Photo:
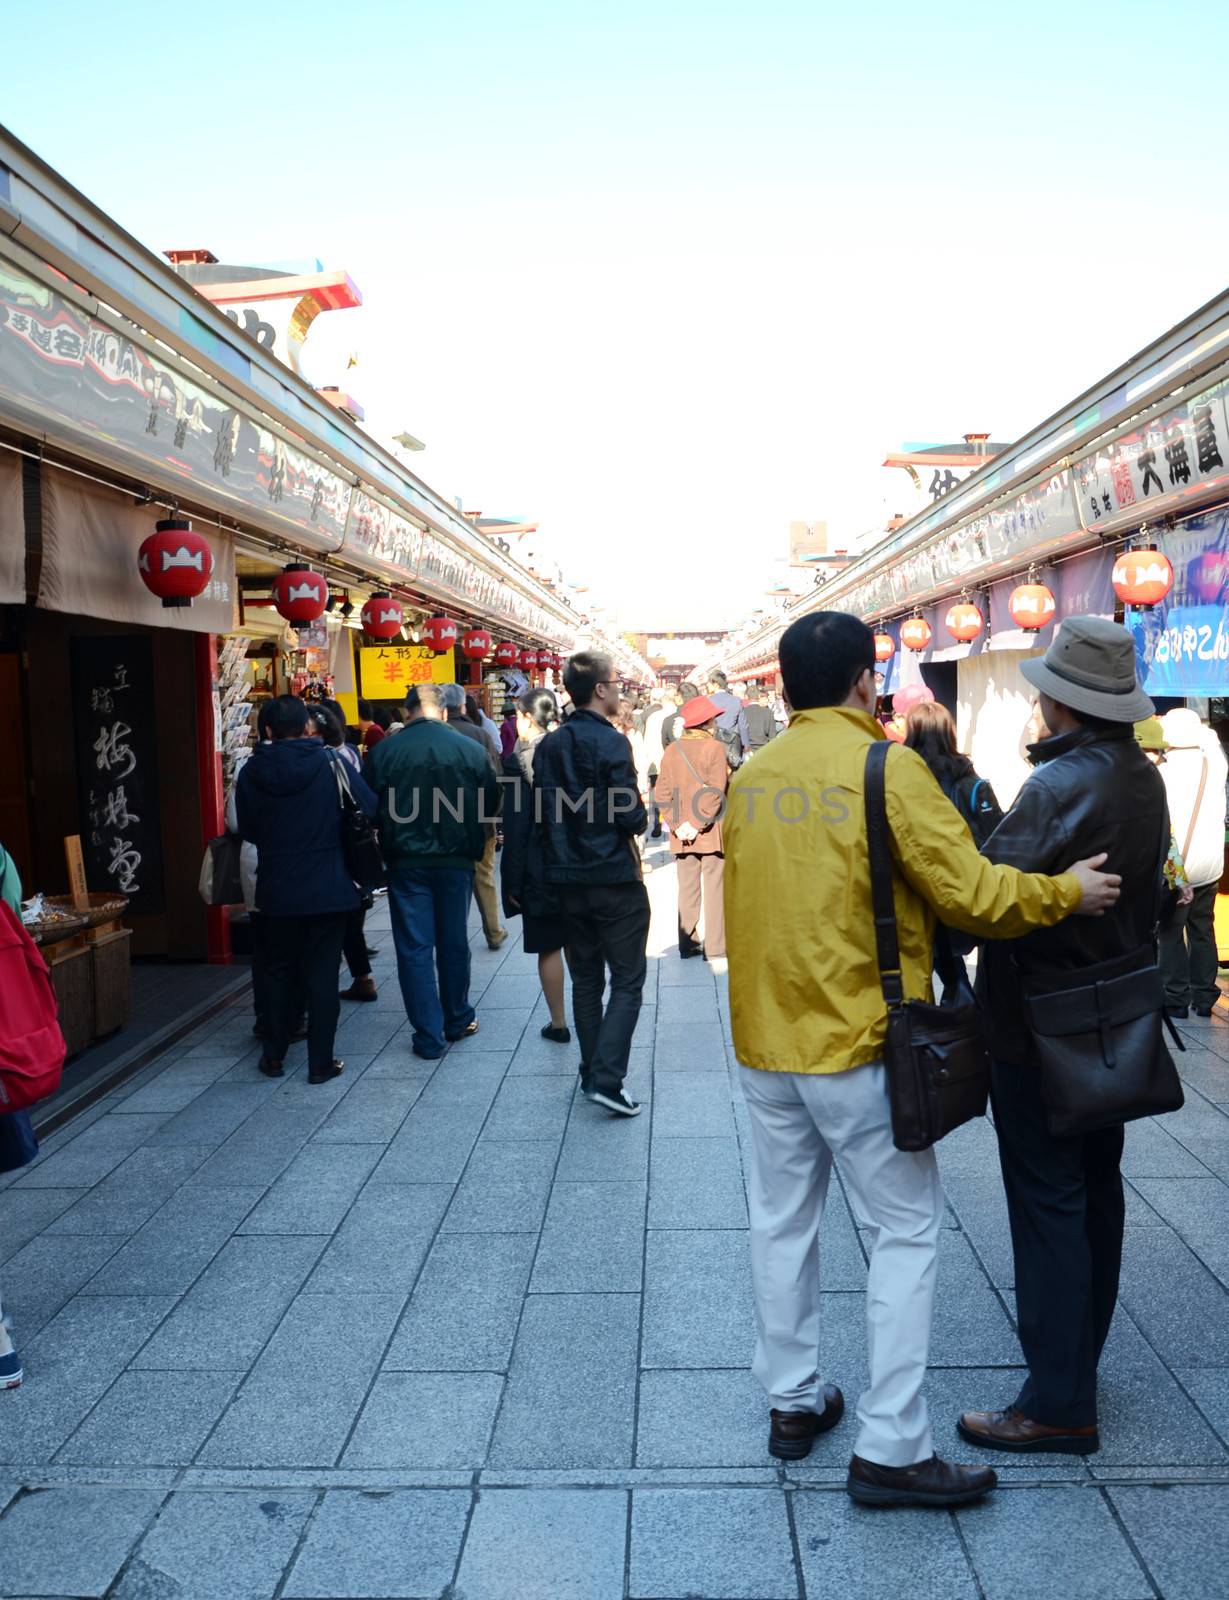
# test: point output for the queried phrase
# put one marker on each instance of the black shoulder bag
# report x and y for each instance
(937, 1062)
(360, 843)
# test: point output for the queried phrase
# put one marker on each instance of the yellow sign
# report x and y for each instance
(386, 671)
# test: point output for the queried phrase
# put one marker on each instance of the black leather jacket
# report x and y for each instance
(1093, 790)
(522, 872)
(590, 802)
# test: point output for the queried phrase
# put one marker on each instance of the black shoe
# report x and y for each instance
(1201, 1011)
(1178, 1013)
(372, 950)
(556, 1035)
(272, 1069)
(615, 1101)
(686, 955)
(928, 1483)
(792, 1433)
(326, 1074)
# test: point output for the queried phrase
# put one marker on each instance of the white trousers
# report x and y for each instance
(800, 1124)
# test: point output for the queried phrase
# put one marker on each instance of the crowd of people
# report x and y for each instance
(1101, 873)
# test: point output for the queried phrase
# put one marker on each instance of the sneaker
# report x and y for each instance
(10, 1371)
(326, 1074)
(556, 1035)
(616, 1101)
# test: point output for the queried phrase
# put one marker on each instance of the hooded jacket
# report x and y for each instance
(287, 804)
(1191, 744)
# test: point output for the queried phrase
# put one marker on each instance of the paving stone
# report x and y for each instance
(545, 1544)
(497, 1030)
(69, 1365)
(304, 1394)
(383, 1241)
(371, 1113)
(509, 994)
(162, 1093)
(530, 1108)
(1150, 1152)
(537, 1057)
(206, 1546)
(712, 1544)
(27, 1212)
(1209, 1388)
(176, 1244)
(426, 1419)
(1193, 1207)
(151, 1419)
(316, 1190)
(71, 1541)
(367, 1029)
(571, 1387)
(593, 1239)
(692, 1105)
(1012, 1540)
(44, 1276)
(604, 1147)
(696, 1183)
(433, 1145)
(247, 1164)
(859, 1557)
(464, 1312)
(191, 1067)
(139, 1186)
(505, 1189)
(970, 1325)
(473, 1081)
(399, 1544)
(1178, 1304)
(706, 1419)
(1144, 1415)
(227, 1316)
(87, 1157)
(1180, 1533)
(213, 1116)
(698, 1309)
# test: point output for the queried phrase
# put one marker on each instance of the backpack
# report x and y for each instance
(32, 1047)
(733, 746)
(975, 800)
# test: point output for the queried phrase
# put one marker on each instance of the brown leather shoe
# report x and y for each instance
(1012, 1430)
(926, 1483)
(792, 1433)
(271, 1069)
(360, 989)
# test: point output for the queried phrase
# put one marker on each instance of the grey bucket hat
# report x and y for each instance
(1090, 667)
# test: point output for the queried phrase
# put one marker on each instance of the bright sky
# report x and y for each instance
(666, 275)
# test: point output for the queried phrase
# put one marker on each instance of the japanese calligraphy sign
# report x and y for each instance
(386, 671)
(1182, 644)
(1171, 456)
(117, 767)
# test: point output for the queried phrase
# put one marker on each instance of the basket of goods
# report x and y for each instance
(103, 907)
(45, 923)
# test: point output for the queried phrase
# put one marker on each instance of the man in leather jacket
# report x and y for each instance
(591, 814)
(1093, 790)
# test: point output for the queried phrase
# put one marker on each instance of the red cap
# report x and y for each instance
(699, 711)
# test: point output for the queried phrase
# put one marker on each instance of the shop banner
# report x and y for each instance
(12, 532)
(91, 536)
(386, 671)
(1182, 645)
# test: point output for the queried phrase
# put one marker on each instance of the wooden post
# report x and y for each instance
(77, 885)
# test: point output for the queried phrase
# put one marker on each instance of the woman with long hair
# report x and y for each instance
(526, 893)
(930, 731)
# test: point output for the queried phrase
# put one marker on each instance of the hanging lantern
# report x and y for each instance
(175, 563)
(915, 633)
(1031, 606)
(506, 654)
(885, 647)
(300, 594)
(476, 644)
(382, 617)
(556, 661)
(964, 621)
(1142, 577)
(529, 659)
(439, 634)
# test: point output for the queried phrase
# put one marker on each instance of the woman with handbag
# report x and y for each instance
(691, 788)
(354, 944)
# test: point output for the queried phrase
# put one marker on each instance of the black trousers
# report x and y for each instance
(606, 925)
(302, 955)
(1188, 952)
(354, 944)
(1065, 1201)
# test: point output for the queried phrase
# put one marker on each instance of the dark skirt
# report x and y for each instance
(541, 935)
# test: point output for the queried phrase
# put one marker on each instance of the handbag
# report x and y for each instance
(360, 843)
(220, 883)
(937, 1063)
(18, 1140)
(1097, 1039)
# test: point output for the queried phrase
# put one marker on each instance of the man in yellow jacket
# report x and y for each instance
(809, 1024)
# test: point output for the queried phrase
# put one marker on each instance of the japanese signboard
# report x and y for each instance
(1182, 645)
(386, 671)
(117, 767)
(1182, 452)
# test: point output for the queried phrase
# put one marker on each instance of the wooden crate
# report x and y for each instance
(72, 977)
(111, 955)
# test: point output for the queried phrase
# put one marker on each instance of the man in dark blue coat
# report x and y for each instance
(288, 805)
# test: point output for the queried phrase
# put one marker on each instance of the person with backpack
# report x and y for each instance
(930, 731)
(731, 719)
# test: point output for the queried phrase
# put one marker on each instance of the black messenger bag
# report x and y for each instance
(937, 1062)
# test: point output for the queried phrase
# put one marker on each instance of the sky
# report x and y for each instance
(666, 276)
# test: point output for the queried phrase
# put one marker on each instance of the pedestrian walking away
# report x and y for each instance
(437, 794)
(809, 1027)
(731, 719)
(761, 724)
(1093, 790)
(1194, 773)
(287, 804)
(692, 783)
(485, 893)
(331, 730)
(592, 815)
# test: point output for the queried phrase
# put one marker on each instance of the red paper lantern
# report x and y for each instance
(506, 654)
(476, 644)
(175, 563)
(529, 659)
(556, 661)
(1031, 606)
(964, 621)
(382, 617)
(885, 647)
(915, 633)
(300, 594)
(1142, 577)
(440, 634)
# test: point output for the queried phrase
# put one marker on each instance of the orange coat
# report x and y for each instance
(697, 797)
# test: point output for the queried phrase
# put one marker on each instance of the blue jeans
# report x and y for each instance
(430, 906)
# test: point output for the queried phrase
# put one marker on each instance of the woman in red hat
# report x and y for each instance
(691, 788)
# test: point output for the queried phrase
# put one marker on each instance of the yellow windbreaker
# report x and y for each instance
(804, 981)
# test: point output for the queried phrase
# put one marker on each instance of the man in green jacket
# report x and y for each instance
(436, 791)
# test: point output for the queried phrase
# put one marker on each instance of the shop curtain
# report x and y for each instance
(12, 532)
(1182, 645)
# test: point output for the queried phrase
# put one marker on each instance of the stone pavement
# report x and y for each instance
(456, 1332)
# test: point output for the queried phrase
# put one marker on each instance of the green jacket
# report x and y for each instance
(436, 789)
(10, 883)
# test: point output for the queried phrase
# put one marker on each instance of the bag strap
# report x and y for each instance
(887, 947)
(345, 794)
(687, 763)
(1190, 832)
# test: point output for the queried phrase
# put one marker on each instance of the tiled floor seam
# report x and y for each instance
(114, 1586)
(954, 1522)
(795, 1550)
(1108, 1501)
